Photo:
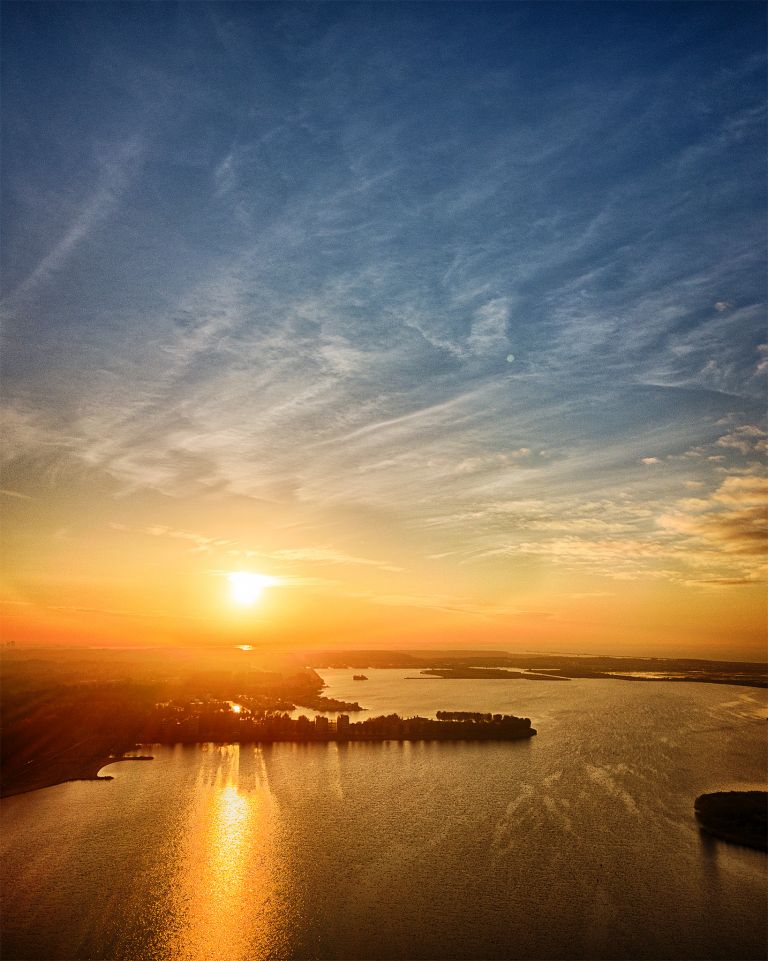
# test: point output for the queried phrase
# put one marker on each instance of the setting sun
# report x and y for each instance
(349, 345)
(246, 588)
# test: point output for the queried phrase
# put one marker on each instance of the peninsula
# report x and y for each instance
(68, 713)
(488, 673)
(242, 727)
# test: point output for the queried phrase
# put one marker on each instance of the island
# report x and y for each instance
(739, 817)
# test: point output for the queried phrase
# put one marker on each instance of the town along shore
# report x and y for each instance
(271, 727)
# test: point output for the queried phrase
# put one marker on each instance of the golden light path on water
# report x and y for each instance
(580, 843)
(224, 902)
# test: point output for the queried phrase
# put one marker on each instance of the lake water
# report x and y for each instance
(579, 843)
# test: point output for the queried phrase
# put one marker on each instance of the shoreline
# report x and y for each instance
(86, 769)
(502, 674)
(80, 769)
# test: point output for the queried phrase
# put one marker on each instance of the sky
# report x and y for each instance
(447, 318)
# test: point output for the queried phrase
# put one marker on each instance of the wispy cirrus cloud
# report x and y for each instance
(201, 543)
(492, 327)
(9, 493)
(114, 171)
(328, 555)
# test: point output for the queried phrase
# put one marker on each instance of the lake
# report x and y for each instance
(577, 843)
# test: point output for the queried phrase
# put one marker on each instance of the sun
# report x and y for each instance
(245, 587)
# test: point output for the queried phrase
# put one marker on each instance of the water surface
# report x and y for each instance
(579, 843)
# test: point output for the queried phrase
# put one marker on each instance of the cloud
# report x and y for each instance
(311, 302)
(747, 439)
(749, 490)
(734, 518)
(109, 612)
(451, 604)
(28, 432)
(224, 175)
(596, 525)
(473, 465)
(585, 594)
(689, 541)
(114, 172)
(10, 493)
(206, 544)
(739, 532)
(488, 333)
(199, 541)
(327, 555)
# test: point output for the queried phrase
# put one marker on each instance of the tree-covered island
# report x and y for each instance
(740, 817)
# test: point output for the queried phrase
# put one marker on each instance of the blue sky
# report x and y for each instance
(438, 283)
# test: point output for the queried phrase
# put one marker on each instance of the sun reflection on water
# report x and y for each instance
(225, 895)
(229, 833)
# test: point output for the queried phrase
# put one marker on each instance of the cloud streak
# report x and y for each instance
(114, 173)
(412, 293)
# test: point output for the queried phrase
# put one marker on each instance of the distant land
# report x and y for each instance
(493, 664)
(66, 712)
(488, 673)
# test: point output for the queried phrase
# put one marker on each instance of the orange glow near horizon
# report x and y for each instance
(108, 577)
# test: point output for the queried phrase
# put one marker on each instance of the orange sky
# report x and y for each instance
(104, 570)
